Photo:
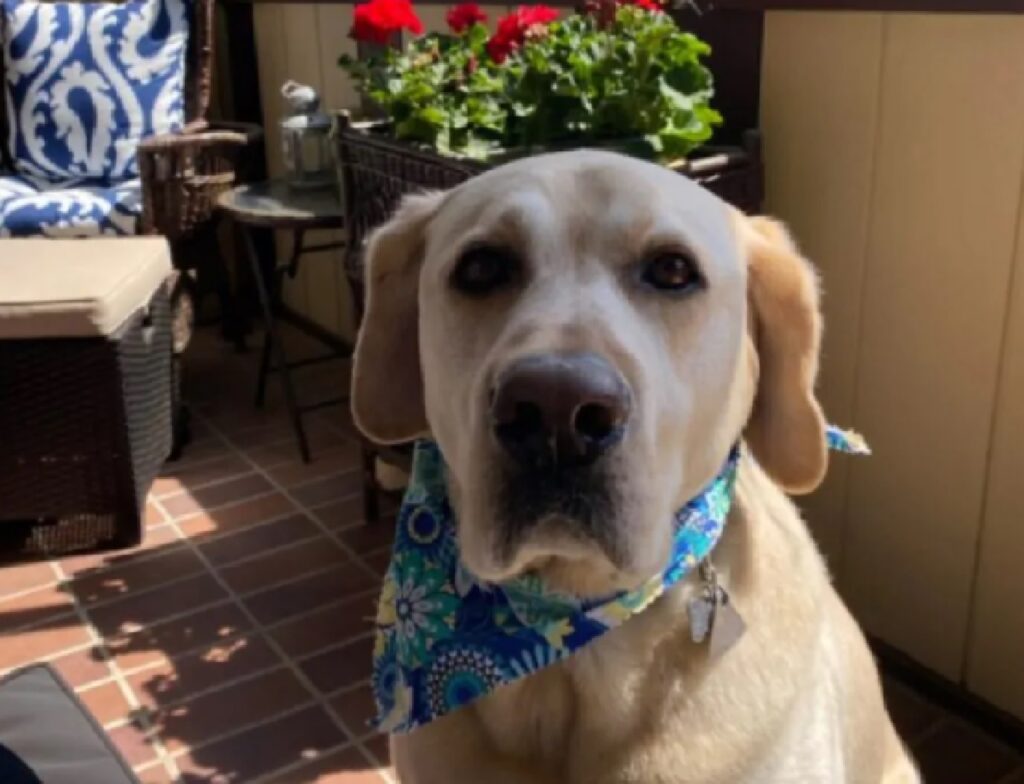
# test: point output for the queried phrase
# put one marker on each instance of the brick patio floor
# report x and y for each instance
(234, 644)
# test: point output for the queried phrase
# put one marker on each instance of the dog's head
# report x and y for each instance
(586, 335)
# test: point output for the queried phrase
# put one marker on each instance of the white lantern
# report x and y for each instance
(306, 139)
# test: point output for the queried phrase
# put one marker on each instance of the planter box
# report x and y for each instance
(376, 171)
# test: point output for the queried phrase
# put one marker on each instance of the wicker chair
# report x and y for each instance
(182, 175)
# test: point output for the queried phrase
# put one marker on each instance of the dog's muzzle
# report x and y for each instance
(559, 410)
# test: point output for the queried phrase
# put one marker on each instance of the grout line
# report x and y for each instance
(268, 587)
(205, 509)
(141, 715)
(176, 581)
(163, 620)
(50, 657)
(285, 439)
(287, 493)
(146, 767)
(58, 617)
(27, 592)
(352, 738)
(215, 536)
(243, 727)
(240, 473)
(298, 765)
(279, 549)
(218, 536)
(230, 683)
(226, 684)
(130, 671)
(288, 661)
(145, 556)
(369, 756)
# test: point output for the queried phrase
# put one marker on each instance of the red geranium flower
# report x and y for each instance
(647, 5)
(464, 16)
(378, 20)
(531, 15)
(513, 29)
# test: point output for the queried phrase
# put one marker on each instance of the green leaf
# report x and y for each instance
(476, 37)
(642, 78)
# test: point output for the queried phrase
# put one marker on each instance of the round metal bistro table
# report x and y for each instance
(276, 205)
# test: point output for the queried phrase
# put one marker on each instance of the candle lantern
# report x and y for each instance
(306, 139)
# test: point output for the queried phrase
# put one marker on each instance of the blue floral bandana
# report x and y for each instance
(445, 638)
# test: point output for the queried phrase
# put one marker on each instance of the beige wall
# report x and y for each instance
(303, 42)
(895, 149)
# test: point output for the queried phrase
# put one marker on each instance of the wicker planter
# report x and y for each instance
(85, 425)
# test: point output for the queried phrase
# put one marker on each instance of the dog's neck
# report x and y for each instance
(622, 677)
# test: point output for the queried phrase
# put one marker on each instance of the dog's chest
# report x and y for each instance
(600, 695)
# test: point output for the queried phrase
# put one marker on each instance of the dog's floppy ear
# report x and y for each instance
(786, 430)
(387, 383)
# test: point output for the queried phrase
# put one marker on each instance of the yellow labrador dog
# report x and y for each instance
(640, 320)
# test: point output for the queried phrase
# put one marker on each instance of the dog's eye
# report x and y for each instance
(671, 271)
(484, 269)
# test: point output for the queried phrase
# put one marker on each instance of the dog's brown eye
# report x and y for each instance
(671, 272)
(484, 269)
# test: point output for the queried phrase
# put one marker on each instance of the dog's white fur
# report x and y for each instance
(798, 698)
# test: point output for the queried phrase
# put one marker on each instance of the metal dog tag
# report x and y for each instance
(712, 612)
(700, 609)
(727, 626)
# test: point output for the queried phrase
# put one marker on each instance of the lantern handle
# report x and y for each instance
(301, 98)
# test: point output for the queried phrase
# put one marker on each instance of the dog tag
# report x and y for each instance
(701, 609)
(727, 625)
(712, 612)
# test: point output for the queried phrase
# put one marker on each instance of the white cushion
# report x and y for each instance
(77, 288)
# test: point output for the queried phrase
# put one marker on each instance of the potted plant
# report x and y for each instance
(614, 74)
(618, 74)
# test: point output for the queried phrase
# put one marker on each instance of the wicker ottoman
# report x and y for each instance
(85, 390)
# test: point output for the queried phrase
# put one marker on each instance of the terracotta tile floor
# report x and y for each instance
(233, 645)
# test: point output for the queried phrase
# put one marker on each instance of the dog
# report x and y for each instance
(627, 323)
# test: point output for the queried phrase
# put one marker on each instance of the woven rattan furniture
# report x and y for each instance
(182, 174)
(376, 171)
(85, 391)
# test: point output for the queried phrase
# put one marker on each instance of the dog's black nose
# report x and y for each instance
(559, 409)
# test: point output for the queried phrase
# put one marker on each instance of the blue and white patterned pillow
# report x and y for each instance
(85, 82)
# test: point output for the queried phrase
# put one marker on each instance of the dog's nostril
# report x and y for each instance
(595, 422)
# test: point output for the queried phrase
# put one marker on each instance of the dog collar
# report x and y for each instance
(445, 638)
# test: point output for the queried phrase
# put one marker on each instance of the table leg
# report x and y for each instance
(261, 379)
(273, 346)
